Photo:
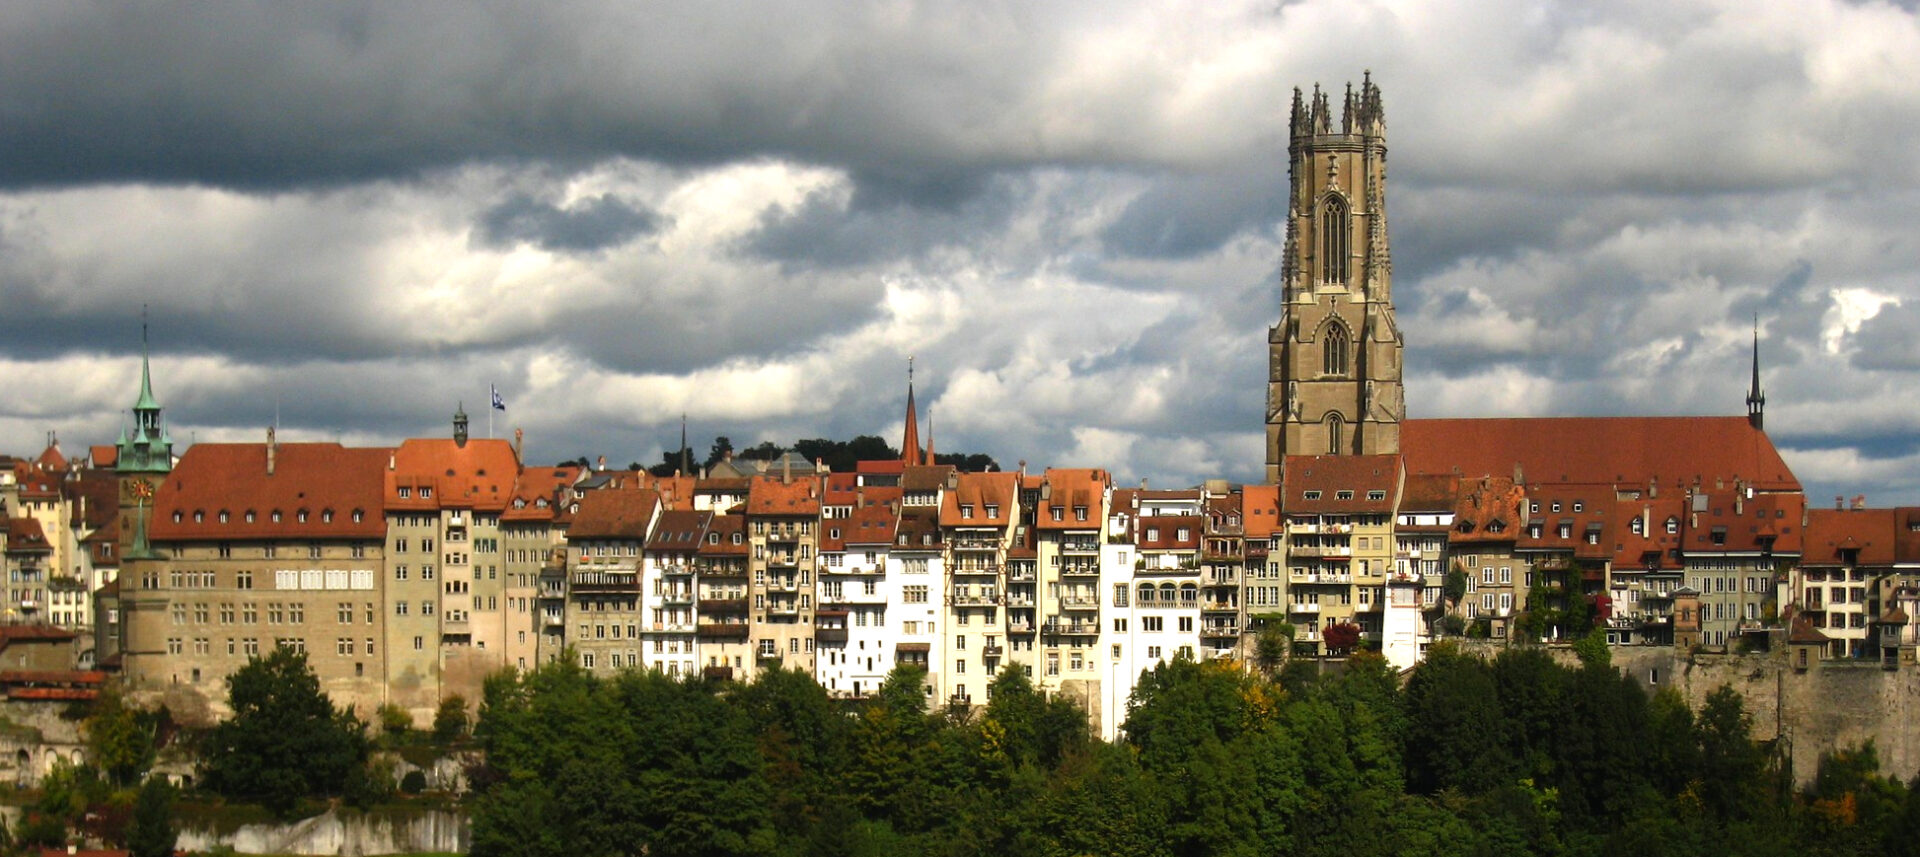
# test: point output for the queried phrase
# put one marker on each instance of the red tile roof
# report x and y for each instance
(1068, 490)
(1332, 474)
(1163, 532)
(314, 478)
(536, 484)
(980, 492)
(24, 535)
(1489, 509)
(1867, 532)
(678, 531)
(1603, 450)
(478, 475)
(1765, 522)
(615, 513)
(1260, 508)
(726, 527)
(870, 525)
(770, 496)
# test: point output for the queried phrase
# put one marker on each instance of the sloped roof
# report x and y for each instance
(1260, 509)
(1830, 532)
(479, 475)
(1633, 550)
(918, 530)
(1763, 522)
(536, 484)
(770, 496)
(725, 527)
(615, 513)
(311, 477)
(1331, 474)
(870, 525)
(1162, 532)
(1429, 493)
(1488, 509)
(1605, 450)
(1067, 489)
(24, 535)
(679, 530)
(980, 492)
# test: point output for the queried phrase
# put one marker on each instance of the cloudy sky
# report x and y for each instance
(352, 216)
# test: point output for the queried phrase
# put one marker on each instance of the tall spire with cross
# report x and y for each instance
(1756, 400)
(910, 438)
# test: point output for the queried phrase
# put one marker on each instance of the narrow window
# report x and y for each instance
(1334, 355)
(1335, 434)
(1333, 241)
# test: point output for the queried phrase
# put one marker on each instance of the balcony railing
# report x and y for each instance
(830, 635)
(725, 630)
(1020, 626)
(605, 581)
(975, 568)
(975, 599)
(723, 605)
(1080, 571)
(1022, 600)
(1220, 606)
(783, 584)
(676, 570)
(1020, 572)
(1325, 551)
(717, 673)
(783, 608)
(993, 650)
(1071, 628)
(1079, 602)
(1080, 546)
(1304, 607)
(676, 599)
(1220, 630)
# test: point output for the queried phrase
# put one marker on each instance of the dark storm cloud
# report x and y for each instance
(1187, 216)
(831, 229)
(587, 225)
(1890, 341)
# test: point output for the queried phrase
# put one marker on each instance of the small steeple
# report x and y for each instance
(460, 425)
(686, 454)
(1756, 400)
(930, 458)
(148, 448)
(910, 438)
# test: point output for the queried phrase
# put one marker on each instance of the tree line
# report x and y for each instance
(1517, 755)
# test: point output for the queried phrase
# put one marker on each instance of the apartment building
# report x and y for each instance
(669, 591)
(605, 605)
(1339, 545)
(723, 630)
(783, 516)
(977, 514)
(855, 650)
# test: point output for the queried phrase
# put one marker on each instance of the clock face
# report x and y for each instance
(138, 490)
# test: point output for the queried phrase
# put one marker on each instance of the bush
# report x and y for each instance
(414, 782)
(394, 720)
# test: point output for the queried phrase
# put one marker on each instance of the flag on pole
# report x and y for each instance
(499, 404)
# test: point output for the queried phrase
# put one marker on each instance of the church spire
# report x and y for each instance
(1756, 400)
(910, 438)
(147, 449)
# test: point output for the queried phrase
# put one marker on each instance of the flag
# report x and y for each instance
(499, 404)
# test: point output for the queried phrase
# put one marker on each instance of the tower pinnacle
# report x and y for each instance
(910, 438)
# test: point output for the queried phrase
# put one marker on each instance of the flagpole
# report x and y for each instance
(491, 392)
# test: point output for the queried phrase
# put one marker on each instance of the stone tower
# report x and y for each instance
(1334, 368)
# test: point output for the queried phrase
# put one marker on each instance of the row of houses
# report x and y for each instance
(410, 573)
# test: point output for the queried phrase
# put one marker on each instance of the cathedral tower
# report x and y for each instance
(143, 459)
(1334, 368)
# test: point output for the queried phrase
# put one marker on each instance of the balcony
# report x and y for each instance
(724, 630)
(960, 699)
(1079, 602)
(723, 571)
(1020, 626)
(1315, 577)
(975, 543)
(673, 627)
(1080, 545)
(1020, 573)
(975, 568)
(1304, 607)
(779, 538)
(553, 619)
(993, 650)
(785, 560)
(1322, 551)
(1220, 630)
(783, 608)
(1220, 607)
(676, 570)
(783, 584)
(676, 599)
(723, 605)
(830, 635)
(1080, 571)
(1020, 600)
(974, 599)
(605, 581)
(1071, 628)
(717, 673)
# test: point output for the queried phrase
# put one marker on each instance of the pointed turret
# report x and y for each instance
(147, 448)
(1756, 400)
(460, 425)
(910, 438)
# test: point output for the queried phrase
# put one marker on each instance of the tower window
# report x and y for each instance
(1333, 241)
(1334, 355)
(1336, 431)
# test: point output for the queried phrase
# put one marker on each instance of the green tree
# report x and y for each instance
(1455, 732)
(722, 447)
(450, 719)
(120, 738)
(395, 720)
(285, 739)
(152, 833)
(1732, 766)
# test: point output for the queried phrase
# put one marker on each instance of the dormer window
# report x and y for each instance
(426, 492)
(199, 517)
(1556, 505)
(1579, 506)
(274, 516)
(1079, 513)
(223, 516)
(1497, 527)
(249, 516)
(1673, 526)
(405, 492)
(1564, 531)
(358, 516)
(966, 511)
(176, 516)
(326, 516)
(1636, 527)
(1058, 513)
(301, 516)
(1311, 495)
(1343, 495)
(993, 510)
(1464, 526)
(1376, 495)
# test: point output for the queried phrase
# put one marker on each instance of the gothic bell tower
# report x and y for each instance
(1334, 358)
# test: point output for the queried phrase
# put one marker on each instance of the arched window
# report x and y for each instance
(1336, 434)
(1146, 593)
(1333, 241)
(1334, 351)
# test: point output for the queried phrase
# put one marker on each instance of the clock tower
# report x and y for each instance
(1334, 359)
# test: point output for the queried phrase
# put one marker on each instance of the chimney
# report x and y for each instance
(390, 457)
(1859, 502)
(1739, 500)
(519, 442)
(786, 469)
(1839, 503)
(272, 448)
(603, 462)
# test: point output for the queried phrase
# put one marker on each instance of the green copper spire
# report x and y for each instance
(147, 401)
